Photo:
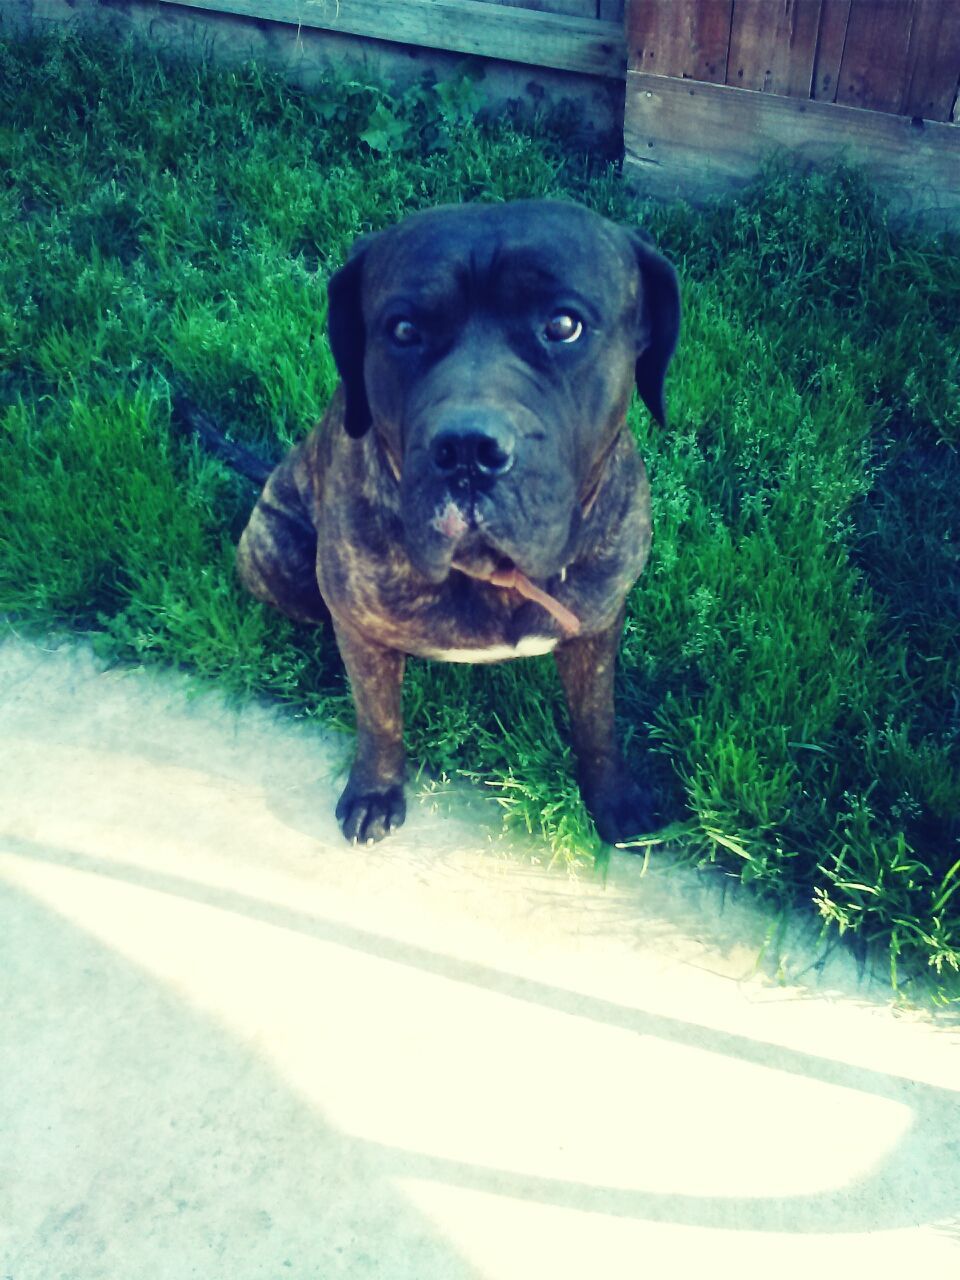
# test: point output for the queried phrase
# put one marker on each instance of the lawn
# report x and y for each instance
(792, 653)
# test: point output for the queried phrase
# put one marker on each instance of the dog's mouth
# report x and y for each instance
(474, 557)
(500, 571)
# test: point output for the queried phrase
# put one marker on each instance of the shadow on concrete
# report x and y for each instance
(903, 1191)
(200, 1161)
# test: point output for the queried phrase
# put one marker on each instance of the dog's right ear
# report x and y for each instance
(659, 323)
(347, 332)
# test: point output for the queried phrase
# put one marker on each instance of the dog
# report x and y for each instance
(473, 493)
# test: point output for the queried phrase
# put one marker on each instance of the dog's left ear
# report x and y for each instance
(658, 326)
(348, 342)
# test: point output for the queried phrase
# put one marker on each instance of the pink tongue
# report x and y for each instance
(518, 581)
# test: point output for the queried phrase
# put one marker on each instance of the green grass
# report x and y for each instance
(792, 655)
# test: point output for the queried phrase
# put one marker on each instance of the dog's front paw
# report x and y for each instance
(366, 814)
(622, 809)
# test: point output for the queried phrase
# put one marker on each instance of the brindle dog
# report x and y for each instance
(473, 493)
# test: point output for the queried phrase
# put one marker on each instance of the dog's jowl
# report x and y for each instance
(473, 493)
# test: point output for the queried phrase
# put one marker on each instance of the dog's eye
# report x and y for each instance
(563, 327)
(405, 333)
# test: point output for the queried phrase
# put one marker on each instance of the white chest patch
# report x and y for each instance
(529, 647)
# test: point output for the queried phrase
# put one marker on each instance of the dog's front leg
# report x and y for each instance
(372, 804)
(620, 805)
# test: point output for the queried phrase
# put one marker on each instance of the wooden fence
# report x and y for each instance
(897, 56)
(584, 36)
(713, 85)
(538, 51)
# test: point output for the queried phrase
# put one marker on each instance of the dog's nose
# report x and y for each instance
(473, 454)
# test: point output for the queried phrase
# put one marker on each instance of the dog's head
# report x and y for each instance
(494, 349)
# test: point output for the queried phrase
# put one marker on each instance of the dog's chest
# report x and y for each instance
(458, 620)
(528, 647)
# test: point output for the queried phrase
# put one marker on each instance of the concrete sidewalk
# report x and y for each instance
(234, 1047)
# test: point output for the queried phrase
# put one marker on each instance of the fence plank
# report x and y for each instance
(572, 8)
(934, 60)
(834, 17)
(772, 46)
(701, 140)
(686, 38)
(585, 45)
(873, 73)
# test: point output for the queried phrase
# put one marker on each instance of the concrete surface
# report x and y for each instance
(235, 1047)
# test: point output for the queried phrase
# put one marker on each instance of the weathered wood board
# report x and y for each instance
(702, 140)
(834, 16)
(773, 44)
(680, 37)
(572, 8)
(934, 61)
(229, 34)
(585, 45)
(900, 56)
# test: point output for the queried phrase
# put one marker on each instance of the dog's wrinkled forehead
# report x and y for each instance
(527, 248)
